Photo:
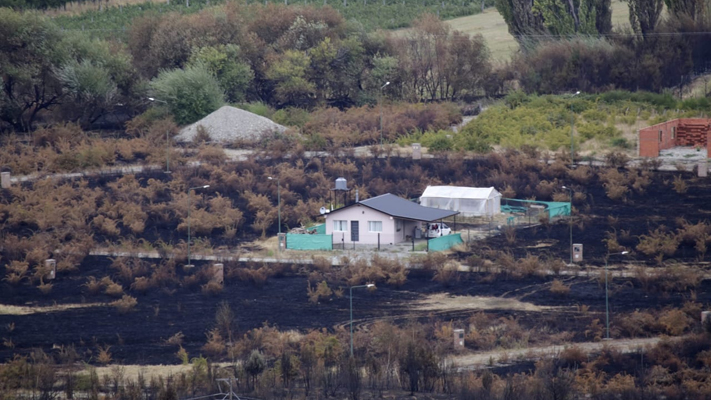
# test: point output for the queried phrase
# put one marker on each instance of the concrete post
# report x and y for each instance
(218, 273)
(416, 151)
(459, 339)
(5, 180)
(51, 264)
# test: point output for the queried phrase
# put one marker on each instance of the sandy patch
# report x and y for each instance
(446, 302)
(27, 310)
(148, 371)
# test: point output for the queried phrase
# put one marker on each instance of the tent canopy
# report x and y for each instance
(468, 201)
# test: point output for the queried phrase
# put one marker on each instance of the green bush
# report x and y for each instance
(258, 108)
(660, 101)
(620, 142)
(595, 115)
(291, 116)
(190, 93)
(701, 103)
(515, 99)
(438, 141)
(595, 130)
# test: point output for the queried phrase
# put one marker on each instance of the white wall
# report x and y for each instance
(363, 214)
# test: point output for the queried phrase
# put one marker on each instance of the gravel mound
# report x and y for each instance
(229, 124)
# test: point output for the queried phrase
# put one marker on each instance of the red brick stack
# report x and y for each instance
(692, 132)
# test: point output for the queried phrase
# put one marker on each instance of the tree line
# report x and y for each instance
(311, 57)
(280, 55)
(570, 44)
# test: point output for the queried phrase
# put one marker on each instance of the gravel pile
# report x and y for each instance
(229, 124)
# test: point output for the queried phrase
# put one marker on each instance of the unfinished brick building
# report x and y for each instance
(679, 132)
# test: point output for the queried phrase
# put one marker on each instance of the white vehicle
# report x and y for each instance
(437, 229)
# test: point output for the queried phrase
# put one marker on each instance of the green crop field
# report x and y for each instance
(115, 19)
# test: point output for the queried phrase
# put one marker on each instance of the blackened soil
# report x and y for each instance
(659, 207)
(138, 337)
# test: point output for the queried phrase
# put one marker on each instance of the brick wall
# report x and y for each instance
(678, 132)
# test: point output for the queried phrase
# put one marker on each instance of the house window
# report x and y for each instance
(375, 226)
(673, 132)
(398, 225)
(340, 226)
(659, 139)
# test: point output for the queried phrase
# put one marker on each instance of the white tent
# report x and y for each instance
(468, 201)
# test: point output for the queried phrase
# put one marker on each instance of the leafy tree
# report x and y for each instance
(558, 17)
(95, 79)
(567, 17)
(603, 16)
(689, 8)
(437, 63)
(223, 61)
(30, 49)
(254, 365)
(288, 73)
(520, 18)
(337, 68)
(644, 15)
(190, 93)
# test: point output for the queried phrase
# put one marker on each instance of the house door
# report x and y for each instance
(354, 231)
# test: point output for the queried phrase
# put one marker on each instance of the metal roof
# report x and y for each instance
(401, 208)
(461, 192)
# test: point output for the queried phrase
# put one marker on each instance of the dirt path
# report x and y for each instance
(488, 359)
(335, 257)
(470, 361)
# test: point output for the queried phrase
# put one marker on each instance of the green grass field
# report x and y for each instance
(491, 25)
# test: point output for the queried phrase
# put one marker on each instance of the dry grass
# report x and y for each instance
(104, 356)
(28, 310)
(559, 288)
(125, 304)
(212, 288)
(445, 302)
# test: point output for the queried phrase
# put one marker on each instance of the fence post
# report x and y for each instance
(428, 245)
(413, 241)
(378, 241)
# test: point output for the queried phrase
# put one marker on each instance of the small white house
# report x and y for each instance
(388, 218)
(469, 201)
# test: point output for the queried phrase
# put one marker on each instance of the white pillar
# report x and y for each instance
(51, 265)
(5, 180)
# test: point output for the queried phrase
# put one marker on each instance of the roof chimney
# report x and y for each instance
(356, 195)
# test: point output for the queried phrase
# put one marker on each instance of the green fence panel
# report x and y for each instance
(558, 209)
(445, 242)
(320, 229)
(295, 241)
(554, 208)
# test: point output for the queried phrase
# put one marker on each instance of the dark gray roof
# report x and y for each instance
(401, 208)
